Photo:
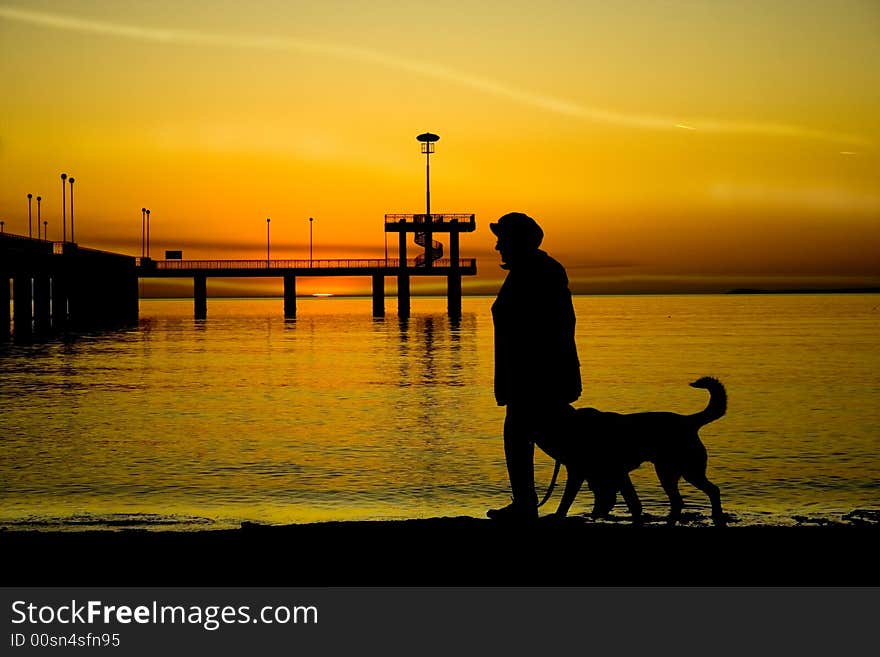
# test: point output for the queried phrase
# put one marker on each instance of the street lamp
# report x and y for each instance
(45, 230)
(72, 238)
(267, 241)
(428, 139)
(64, 204)
(148, 233)
(143, 232)
(39, 198)
(311, 257)
(30, 230)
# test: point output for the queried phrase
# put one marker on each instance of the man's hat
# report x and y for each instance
(519, 227)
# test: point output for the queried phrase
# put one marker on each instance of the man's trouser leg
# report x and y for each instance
(519, 452)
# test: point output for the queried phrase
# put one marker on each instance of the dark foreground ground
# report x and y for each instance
(447, 552)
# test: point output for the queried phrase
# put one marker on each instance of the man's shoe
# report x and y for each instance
(515, 511)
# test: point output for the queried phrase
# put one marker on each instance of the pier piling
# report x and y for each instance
(453, 296)
(402, 280)
(290, 297)
(5, 315)
(200, 296)
(60, 302)
(378, 295)
(42, 304)
(21, 306)
(403, 295)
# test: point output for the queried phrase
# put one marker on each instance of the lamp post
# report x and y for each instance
(30, 230)
(64, 205)
(45, 230)
(428, 139)
(39, 198)
(72, 238)
(267, 241)
(311, 257)
(148, 233)
(143, 232)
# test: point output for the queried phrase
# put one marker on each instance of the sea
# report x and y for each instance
(186, 424)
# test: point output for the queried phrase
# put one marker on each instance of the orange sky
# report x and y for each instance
(662, 146)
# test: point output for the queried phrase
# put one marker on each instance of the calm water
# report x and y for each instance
(340, 416)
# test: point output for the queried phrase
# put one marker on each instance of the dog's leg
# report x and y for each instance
(631, 498)
(669, 480)
(605, 498)
(573, 483)
(714, 494)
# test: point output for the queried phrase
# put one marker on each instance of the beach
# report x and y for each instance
(449, 551)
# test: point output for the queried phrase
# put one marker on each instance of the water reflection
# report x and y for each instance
(336, 416)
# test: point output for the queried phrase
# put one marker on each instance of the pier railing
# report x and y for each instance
(423, 218)
(322, 264)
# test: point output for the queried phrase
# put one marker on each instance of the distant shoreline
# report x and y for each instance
(843, 290)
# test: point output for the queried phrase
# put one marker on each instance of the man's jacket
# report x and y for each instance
(535, 355)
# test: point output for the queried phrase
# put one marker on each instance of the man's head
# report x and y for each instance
(518, 235)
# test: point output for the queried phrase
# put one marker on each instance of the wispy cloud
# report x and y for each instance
(485, 85)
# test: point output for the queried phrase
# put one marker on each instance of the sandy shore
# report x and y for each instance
(445, 552)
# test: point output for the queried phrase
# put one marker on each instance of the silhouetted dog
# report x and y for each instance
(603, 448)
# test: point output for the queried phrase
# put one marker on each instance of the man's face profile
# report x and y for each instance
(500, 247)
(509, 249)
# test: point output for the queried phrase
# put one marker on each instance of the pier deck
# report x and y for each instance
(377, 269)
(273, 268)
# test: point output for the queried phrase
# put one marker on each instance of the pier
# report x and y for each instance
(429, 263)
(61, 286)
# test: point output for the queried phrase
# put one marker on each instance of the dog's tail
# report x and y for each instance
(717, 406)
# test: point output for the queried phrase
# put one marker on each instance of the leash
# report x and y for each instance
(550, 487)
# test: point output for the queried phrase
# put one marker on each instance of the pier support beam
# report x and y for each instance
(453, 281)
(42, 316)
(5, 315)
(403, 279)
(403, 296)
(133, 301)
(378, 295)
(21, 306)
(453, 295)
(60, 320)
(290, 297)
(200, 296)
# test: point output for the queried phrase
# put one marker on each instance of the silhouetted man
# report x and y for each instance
(537, 372)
